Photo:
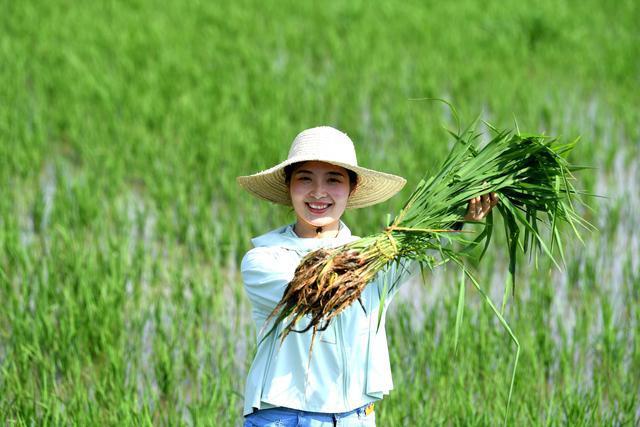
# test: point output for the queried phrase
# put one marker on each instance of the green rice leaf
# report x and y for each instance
(459, 311)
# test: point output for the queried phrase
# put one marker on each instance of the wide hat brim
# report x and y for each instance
(373, 186)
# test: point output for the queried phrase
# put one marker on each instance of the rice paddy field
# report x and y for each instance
(123, 125)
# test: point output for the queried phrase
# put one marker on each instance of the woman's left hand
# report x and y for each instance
(479, 207)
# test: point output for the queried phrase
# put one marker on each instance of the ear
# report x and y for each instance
(353, 188)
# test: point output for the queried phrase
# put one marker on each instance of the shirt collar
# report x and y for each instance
(285, 237)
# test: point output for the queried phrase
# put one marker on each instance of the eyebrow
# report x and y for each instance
(328, 173)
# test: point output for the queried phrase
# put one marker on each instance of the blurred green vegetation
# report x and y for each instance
(124, 124)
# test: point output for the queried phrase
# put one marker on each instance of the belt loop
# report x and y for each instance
(335, 420)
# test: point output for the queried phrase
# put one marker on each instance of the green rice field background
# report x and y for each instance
(123, 125)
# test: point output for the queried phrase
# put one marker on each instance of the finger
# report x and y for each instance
(486, 206)
(485, 201)
(471, 209)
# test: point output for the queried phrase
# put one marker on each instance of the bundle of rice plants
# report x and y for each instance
(534, 183)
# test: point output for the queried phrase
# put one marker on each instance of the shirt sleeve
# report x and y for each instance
(265, 278)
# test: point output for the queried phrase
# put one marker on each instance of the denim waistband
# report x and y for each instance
(362, 410)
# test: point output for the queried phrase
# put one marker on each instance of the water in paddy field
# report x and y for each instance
(607, 266)
(617, 221)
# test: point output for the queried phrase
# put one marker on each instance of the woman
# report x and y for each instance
(349, 369)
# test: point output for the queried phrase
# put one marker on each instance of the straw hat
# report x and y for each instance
(325, 144)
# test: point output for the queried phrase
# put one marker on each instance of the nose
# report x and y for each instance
(318, 191)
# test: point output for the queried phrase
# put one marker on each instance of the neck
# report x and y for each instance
(306, 230)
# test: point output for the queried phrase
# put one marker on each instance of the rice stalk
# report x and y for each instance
(532, 179)
(534, 183)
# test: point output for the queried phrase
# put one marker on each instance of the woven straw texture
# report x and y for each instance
(325, 144)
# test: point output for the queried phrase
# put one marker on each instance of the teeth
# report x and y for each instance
(318, 206)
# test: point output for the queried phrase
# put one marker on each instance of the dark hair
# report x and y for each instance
(289, 169)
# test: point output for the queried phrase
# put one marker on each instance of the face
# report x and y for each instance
(319, 193)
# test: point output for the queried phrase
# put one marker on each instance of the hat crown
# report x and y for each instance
(323, 143)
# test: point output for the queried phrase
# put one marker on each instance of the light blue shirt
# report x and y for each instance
(349, 366)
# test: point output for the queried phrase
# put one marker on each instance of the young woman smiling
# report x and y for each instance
(319, 193)
(350, 368)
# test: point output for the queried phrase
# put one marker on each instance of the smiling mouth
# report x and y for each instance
(318, 208)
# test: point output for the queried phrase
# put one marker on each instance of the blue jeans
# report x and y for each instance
(285, 417)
